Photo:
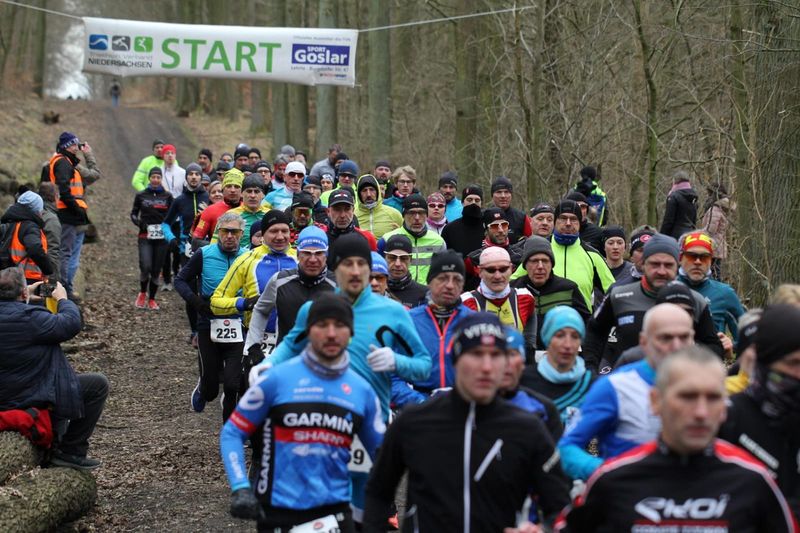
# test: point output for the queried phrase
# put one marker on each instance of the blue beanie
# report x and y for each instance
(349, 167)
(32, 200)
(515, 341)
(379, 265)
(312, 237)
(561, 317)
(67, 139)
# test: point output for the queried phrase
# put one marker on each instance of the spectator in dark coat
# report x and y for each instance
(29, 249)
(34, 372)
(681, 214)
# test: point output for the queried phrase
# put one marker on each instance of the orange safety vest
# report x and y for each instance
(19, 255)
(75, 184)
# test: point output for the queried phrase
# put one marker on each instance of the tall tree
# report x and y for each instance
(279, 92)
(327, 119)
(298, 94)
(380, 76)
(466, 89)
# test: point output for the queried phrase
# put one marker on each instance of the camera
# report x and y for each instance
(82, 146)
(46, 289)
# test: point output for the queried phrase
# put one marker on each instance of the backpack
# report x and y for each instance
(32, 423)
(6, 233)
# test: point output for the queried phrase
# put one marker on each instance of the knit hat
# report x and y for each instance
(330, 305)
(262, 164)
(349, 245)
(778, 334)
(568, 206)
(698, 239)
(67, 139)
(194, 167)
(341, 196)
(448, 178)
(313, 181)
(223, 165)
(500, 183)
(472, 189)
(367, 180)
(661, 244)
(748, 327)
(233, 176)
(589, 172)
(577, 196)
(537, 245)
(493, 214)
(206, 152)
(478, 329)
(379, 265)
(494, 254)
(272, 217)
(32, 200)
(295, 166)
(436, 198)
(302, 199)
(613, 231)
(348, 167)
(169, 148)
(241, 150)
(312, 237)
(515, 341)
(538, 209)
(382, 163)
(678, 293)
(398, 242)
(288, 149)
(155, 142)
(155, 170)
(447, 261)
(558, 318)
(640, 238)
(253, 181)
(414, 201)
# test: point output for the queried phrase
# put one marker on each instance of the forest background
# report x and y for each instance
(637, 88)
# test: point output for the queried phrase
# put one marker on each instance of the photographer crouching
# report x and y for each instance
(34, 372)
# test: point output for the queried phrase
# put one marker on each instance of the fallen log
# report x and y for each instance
(39, 499)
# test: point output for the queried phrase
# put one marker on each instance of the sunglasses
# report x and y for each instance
(391, 258)
(230, 231)
(436, 206)
(691, 256)
(492, 270)
(499, 225)
(296, 175)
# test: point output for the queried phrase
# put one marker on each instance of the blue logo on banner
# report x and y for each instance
(98, 41)
(320, 54)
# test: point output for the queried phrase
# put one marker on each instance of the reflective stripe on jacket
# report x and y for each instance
(75, 185)
(19, 255)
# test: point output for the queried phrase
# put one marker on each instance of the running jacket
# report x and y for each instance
(184, 209)
(651, 489)
(309, 424)
(422, 249)
(555, 291)
(439, 343)
(723, 302)
(616, 411)
(150, 207)
(469, 466)
(517, 310)
(246, 278)
(379, 321)
(379, 219)
(249, 217)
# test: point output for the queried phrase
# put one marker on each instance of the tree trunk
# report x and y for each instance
(327, 121)
(40, 52)
(466, 90)
(298, 94)
(259, 90)
(280, 99)
(380, 76)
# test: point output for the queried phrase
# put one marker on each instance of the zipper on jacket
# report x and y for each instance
(467, 453)
(494, 451)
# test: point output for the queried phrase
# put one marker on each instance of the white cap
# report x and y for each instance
(295, 166)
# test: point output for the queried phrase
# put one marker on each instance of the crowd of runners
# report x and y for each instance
(526, 370)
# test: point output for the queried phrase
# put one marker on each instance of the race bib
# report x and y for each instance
(359, 458)
(269, 342)
(226, 330)
(326, 524)
(155, 232)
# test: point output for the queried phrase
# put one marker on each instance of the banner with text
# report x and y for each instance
(309, 56)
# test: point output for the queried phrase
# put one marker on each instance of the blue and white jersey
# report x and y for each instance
(309, 424)
(617, 411)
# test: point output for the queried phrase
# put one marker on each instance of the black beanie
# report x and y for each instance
(678, 293)
(479, 329)
(640, 238)
(493, 214)
(589, 172)
(253, 181)
(398, 242)
(447, 261)
(613, 231)
(330, 305)
(778, 334)
(272, 217)
(448, 178)
(500, 183)
(154, 170)
(349, 245)
(472, 189)
(568, 206)
(414, 201)
(157, 141)
(538, 209)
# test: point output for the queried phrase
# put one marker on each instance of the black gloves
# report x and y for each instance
(173, 245)
(256, 354)
(250, 303)
(244, 504)
(201, 305)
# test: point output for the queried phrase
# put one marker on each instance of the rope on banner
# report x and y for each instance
(365, 30)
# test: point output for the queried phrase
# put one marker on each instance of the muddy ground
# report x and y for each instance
(161, 469)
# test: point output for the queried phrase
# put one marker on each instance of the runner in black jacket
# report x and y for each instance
(500, 451)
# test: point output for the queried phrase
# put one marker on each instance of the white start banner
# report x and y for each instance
(308, 56)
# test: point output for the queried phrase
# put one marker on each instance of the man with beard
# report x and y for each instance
(448, 186)
(519, 223)
(497, 231)
(466, 234)
(372, 214)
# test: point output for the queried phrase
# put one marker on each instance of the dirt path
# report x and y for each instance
(161, 468)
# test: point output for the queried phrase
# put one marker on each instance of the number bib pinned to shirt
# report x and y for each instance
(326, 524)
(269, 342)
(155, 232)
(359, 458)
(226, 330)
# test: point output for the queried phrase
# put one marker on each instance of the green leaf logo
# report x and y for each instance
(142, 44)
